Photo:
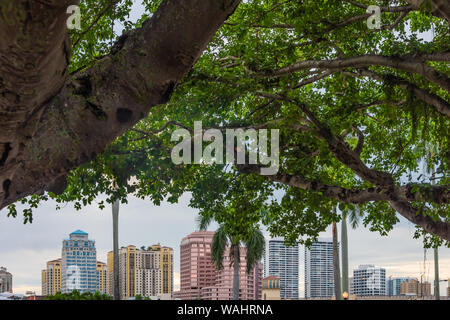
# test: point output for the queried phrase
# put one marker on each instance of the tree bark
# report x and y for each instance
(116, 273)
(437, 294)
(336, 269)
(440, 8)
(236, 271)
(344, 244)
(75, 117)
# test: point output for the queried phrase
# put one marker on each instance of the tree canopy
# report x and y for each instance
(363, 114)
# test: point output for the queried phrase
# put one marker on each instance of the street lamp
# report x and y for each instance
(345, 295)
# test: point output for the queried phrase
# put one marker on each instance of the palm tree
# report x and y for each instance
(115, 215)
(354, 217)
(337, 272)
(437, 294)
(254, 242)
(344, 248)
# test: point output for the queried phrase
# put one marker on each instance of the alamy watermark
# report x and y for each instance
(74, 20)
(254, 141)
(374, 21)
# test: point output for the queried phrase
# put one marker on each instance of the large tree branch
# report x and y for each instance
(98, 104)
(437, 102)
(34, 54)
(330, 191)
(398, 196)
(411, 65)
(438, 227)
(440, 8)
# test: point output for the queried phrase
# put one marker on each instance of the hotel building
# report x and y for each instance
(283, 262)
(147, 272)
(79, 264)
(102, 276)
(51, 278)
(199, 278)
(319, 277)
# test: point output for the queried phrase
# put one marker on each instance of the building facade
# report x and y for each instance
(393, 285)
(102, 277)
(79, 264)
(199, 278)
(413, 287)
(271, 288)
(350, 285)
(319, 277)
(283, 262)
(51, 278)
(5, 280)
(145, 271)
(197, 270)
(369, 280)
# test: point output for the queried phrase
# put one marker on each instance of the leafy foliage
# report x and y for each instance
(76, 295)
(246, 78)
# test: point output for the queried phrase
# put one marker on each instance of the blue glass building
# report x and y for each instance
(79, 264)
(393, 285)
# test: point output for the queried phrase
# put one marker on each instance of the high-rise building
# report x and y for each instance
(197, 270)
(393, 285)
(166, 266)
(271, 288)
(200, 279)
(5, 280)
(319, 277)
(283, 262)
(102, 276)
(369, 280)
(51, 278)
(79, 264)
(413, 287)
(146, 272)
(350, 285)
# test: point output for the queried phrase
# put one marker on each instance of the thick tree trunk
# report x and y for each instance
(116, 273)
(236, 267)
(60, 122)
(344, 244)
(336, 269)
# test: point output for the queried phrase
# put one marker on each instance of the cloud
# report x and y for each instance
(24, 249)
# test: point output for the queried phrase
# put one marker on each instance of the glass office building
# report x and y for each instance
(79, 264)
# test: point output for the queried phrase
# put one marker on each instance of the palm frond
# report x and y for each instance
(355, 216)
(219, 242)
(203, 221)
(255, 244)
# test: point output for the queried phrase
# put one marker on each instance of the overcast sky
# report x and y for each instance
(24, 249)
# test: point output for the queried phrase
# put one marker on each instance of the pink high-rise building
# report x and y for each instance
(199, 278)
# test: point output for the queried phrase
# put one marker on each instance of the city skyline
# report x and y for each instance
(144, 224)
